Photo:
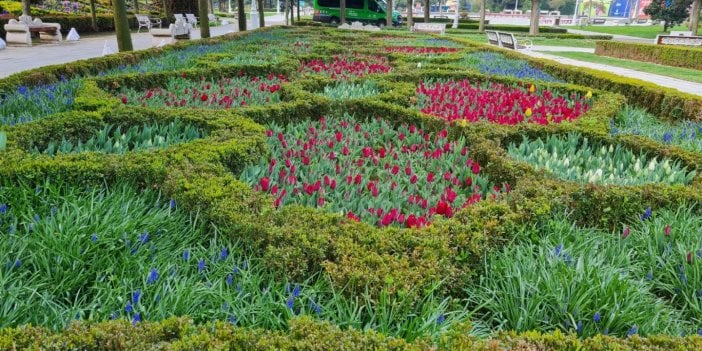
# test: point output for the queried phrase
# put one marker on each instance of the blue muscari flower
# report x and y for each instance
(440, 319)
(223, 254)
(699, 332)
(232, 319)
(144, 237)
(230, 279)
(646, 215)
(296, 291)
(53, 211)
(136, 295)
(153, 276)
(596, 318)
(18, 263)
(136, 319)
(634, 329)
(649, 276)
(128, 308)
(316, 308)
(290, 303)
(557, 251)
(667, 137)
(11, 229)
(201, 265)
(225, 306)
(36, 218)
(186, 255)
(31, 227)
(157, 298)
(37, 190)
(93, 237)
(238, 287)
(172, 204)
(3, 208)
(579, 327)
(113, 316)
(22, 90)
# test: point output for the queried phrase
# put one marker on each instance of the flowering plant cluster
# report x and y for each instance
(686, 134)
(28, 104)
(492, 63)
(343, 90)
(370, 171)
(573, 158)
(223, 93)
(420, 50)
(111, 139)
(343, 67)
(498, 103)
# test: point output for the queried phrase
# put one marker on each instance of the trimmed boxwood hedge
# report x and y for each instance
(298, 241)
(669, 55)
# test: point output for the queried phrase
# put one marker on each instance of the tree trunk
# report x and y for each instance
(292, 12)
(410, 13)
(388, 18)
(93, 16)
(298, 9)
(241, 14)
(26, 10)
(695, 16)
(535, 14)
(285, 11)
(481, 25)
(166, 9)
(204, 20)
(426, 11)
(136, 6)
(124, 37)
(342, 11)
(261, 15)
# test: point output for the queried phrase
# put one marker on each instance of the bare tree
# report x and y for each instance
(535, 13)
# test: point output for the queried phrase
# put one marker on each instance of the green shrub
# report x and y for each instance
(670, 55)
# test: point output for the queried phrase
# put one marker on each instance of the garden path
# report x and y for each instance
(18, 58)
(679, 84)
(614, 36)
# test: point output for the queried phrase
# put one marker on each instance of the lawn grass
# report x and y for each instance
(668, 71)
(648, 32)
(542, 41)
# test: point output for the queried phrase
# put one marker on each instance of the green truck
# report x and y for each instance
(366, 11)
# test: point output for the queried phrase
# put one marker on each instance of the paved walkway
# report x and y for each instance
(679, 84)
(561, 48)
(614, 36)
(15, 59)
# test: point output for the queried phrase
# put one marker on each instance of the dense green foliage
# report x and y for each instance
(669, 55)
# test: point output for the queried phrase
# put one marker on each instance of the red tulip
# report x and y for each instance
(265, 183)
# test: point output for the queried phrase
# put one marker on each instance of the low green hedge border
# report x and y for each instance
(669, 55)
(305, 334)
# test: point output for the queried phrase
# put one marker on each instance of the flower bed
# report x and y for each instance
(420, 50)
(497, 64)
(370, 171)
(111, 139)
(223, 93)
(686, 134)
(343, 67)
(28, 104)
(574, 158)
(497, 103)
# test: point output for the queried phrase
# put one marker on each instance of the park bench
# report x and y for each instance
(20, 31)
(439, 28)
(492, 37)
(507, 40)
(598, 21)
(145, 21)
(681, 33)
(191, 19)
(359, 26)
(679, 40)
(212, 18)
(178, 30)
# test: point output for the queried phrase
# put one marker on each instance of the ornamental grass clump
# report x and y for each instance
(492, 63)
(111, 139)
(574, 158)
(222, 93)
(631, 120)
(466, 102)
(31, 103)
(370, 171)
(344, 67)
(344, 90)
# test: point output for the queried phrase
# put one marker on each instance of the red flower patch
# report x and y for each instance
(343, 67)
(420, 50)
(369, 173)
(497, 103)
